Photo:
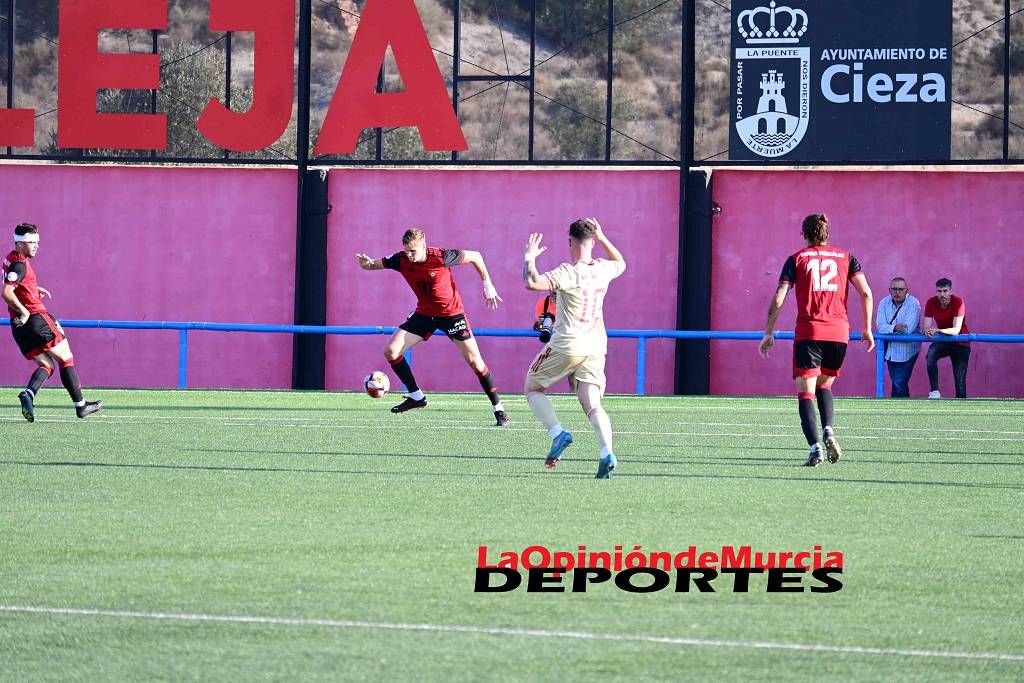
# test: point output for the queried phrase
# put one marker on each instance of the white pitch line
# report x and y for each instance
(521, 632)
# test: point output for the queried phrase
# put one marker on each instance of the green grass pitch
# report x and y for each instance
(311, 536)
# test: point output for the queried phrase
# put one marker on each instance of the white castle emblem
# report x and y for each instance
(772, 125)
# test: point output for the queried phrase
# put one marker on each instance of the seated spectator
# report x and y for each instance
(946, 314)
(900, 313)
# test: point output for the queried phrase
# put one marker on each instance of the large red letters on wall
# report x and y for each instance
(82, 71)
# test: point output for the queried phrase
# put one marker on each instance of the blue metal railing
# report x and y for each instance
(641, 337)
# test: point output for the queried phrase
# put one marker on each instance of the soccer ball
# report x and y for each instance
(376, 384)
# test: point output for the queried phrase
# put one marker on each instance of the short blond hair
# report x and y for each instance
(413, 235)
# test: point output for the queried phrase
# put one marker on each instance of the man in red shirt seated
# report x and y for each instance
(946, 314)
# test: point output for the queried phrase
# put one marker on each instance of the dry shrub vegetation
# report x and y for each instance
(571, 77)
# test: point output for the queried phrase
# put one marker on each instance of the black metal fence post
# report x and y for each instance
(227, 78)
(1006, 79)
(611, 70)
(155, 36)
(379, 132)
(693, 310)
(10, 60)
(308, 350)
(456, 58)
(533, 76)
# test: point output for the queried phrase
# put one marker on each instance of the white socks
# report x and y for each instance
(541, 406)
(603, 430)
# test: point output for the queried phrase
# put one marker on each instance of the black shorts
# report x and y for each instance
(39, 333)
(812, 358)
(455, 326)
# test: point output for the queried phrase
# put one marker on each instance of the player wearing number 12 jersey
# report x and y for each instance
(438, 306)
(579, 343)
(821, 274)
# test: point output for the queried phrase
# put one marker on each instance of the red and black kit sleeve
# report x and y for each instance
(18, 270)
(854, 266)
(788, 274)
(393, 262)
(452, 257)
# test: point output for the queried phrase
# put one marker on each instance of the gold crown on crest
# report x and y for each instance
(772, 28)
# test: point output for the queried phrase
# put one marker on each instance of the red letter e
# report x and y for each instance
(83, 71)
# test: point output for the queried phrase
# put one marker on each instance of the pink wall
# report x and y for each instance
(920, 225)
(157, 243)
(493, 211)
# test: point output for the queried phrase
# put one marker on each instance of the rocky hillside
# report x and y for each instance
(571, 88)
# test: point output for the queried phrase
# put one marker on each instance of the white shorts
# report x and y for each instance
(550, 366)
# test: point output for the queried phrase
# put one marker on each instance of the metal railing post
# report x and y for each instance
(880, 369)
(641, 365)
(182, 359)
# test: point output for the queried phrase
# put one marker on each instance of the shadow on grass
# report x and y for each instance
(113, 407)
(289, 470)
(301, 470)
(802, 453)
(1009, 538)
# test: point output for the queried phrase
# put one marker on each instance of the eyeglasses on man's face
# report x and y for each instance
(897, 289)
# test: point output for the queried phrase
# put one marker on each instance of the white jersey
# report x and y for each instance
(579, 321)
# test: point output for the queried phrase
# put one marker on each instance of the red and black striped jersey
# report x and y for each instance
(17, 271)
(821, 276)
(431, 280)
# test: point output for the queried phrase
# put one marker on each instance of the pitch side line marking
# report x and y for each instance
(528, 633)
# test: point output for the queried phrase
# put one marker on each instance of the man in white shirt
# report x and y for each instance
(900, 313)
(579, 343)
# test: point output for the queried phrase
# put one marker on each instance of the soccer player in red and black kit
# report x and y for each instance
(38, 335)
(438, 306)
(820, 273)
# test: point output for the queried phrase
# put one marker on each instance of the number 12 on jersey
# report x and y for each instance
(823, 272)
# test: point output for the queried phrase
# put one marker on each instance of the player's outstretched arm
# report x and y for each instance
(860, 283)
(533, 280)
(613, 253)
(369, 263)
(476, 259)
(768, 341)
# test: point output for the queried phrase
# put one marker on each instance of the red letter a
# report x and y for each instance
(83, 71)
(273, 21)
(425, 102)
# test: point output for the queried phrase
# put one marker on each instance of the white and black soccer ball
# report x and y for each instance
(377, 384)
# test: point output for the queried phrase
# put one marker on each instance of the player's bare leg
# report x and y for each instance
(62, 357)
(542, 407)
(823, 393)
(590, 399)
(400, 342)
(471, 354)
(808, 421)
(44, 368)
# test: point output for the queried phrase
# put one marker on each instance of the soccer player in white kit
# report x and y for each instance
(579, 343)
